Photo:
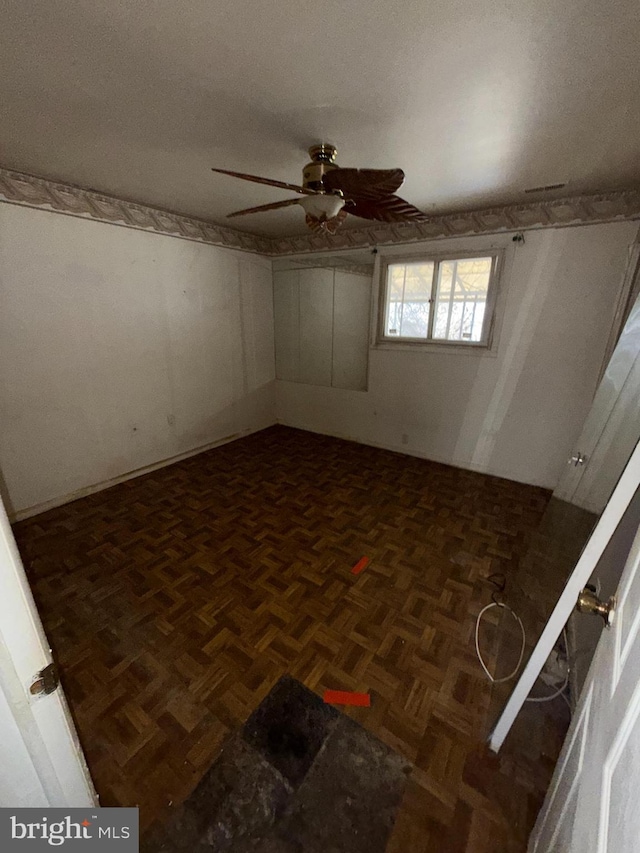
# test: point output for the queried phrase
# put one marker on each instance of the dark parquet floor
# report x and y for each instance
(175, 601)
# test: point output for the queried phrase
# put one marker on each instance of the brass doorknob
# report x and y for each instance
(588, 602)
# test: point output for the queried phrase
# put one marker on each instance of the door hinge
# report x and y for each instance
(46, 681)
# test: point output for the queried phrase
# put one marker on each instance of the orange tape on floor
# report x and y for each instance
(362, 563)
(345, 697)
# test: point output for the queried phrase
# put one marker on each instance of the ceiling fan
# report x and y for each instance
(329, 193)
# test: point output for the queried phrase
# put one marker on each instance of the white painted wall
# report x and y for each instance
(120, 349)
(515, 412)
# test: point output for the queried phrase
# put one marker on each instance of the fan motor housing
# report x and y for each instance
(322, 161)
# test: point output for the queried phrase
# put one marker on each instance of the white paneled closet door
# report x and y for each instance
(316, 326)
(352, 304)
(322, 321)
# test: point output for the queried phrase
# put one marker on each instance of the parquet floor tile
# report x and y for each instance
(176, 600)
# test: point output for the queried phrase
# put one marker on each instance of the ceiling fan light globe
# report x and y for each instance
(322, 206)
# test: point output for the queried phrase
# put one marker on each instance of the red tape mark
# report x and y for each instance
(344, 697)
(362, 563)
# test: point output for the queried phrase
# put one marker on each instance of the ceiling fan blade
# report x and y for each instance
(391, 208)
(262, 207)
(364, 183)
(268, 181)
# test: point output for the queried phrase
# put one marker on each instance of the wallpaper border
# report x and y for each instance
(20, 188)
(31, 191)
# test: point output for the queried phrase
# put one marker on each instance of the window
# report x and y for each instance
(446, 300)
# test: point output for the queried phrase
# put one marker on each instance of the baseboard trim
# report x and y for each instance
(396, 448)
(37, 509)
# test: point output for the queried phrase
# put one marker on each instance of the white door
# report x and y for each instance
(613, 513)
(612, 427)
(41, 761)
(593, 803)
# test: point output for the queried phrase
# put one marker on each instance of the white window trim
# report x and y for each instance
(485, 346)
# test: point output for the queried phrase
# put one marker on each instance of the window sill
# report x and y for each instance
(476, 350)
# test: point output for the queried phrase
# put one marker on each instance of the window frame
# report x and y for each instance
(487, 340)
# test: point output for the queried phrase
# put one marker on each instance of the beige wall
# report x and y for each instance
(120, 349)
(515, 412)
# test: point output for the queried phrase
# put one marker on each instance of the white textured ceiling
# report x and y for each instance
(476, 101)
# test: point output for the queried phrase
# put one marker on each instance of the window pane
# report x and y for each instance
(408, 299)
(461, 299)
